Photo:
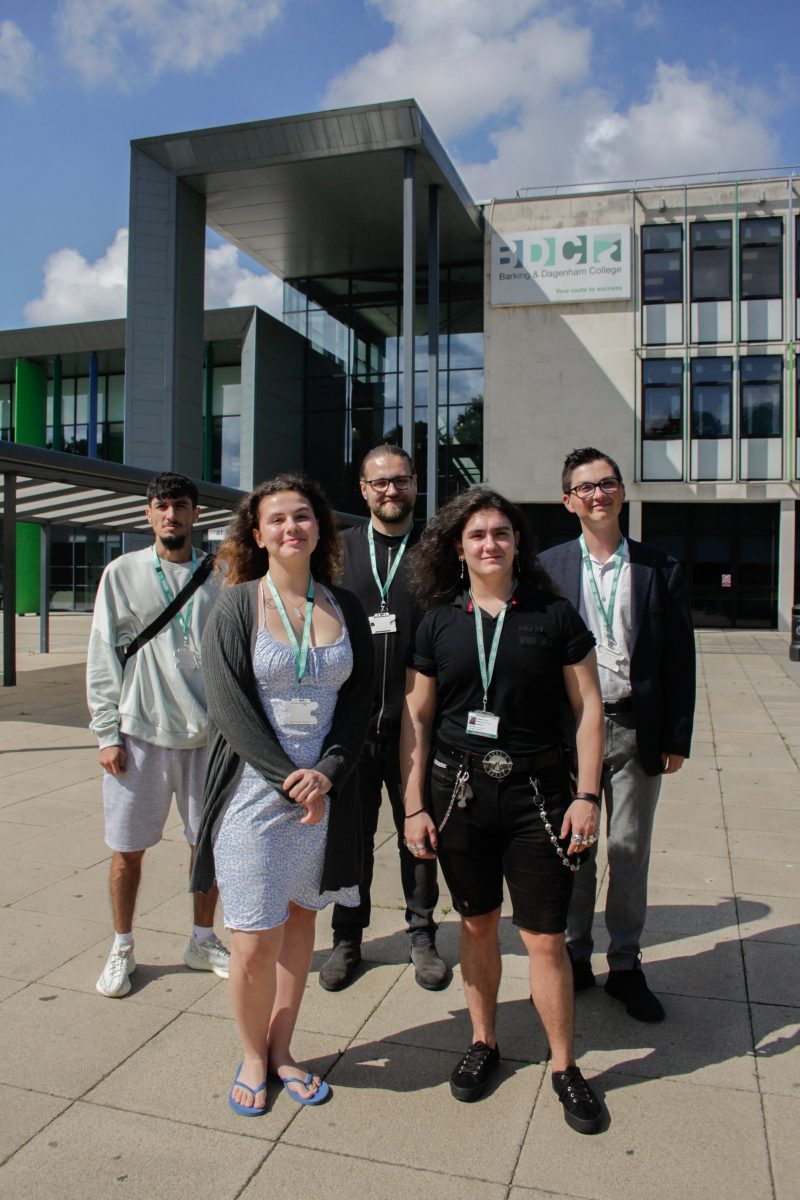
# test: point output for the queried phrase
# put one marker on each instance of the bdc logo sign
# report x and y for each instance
(551, 251)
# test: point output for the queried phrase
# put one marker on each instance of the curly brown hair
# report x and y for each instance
(241, 559)
(434, 570)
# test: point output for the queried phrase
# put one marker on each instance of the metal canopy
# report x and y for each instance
(67, 489)
(322, 194)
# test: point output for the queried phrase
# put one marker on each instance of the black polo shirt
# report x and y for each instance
(542, 633)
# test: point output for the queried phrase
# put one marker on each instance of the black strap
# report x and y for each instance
(175, 605)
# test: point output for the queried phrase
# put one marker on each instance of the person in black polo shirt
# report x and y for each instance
(486, 787)
(375, 569)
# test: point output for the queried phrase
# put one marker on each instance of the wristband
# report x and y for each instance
(408, 816)
(587, 796)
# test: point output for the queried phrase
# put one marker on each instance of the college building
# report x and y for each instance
(655, 319)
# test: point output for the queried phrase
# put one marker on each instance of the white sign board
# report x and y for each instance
(561, 266)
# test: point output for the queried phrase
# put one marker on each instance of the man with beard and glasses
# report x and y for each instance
(149, 716)
(375, 571)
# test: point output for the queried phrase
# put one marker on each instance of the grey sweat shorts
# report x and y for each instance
(137, 802)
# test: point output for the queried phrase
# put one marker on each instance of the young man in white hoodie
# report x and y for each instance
(149, 716)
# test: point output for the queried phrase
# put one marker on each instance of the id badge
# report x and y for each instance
(187, 659)
(383, 622)
(484, 724)
(612, 660)
(297, 712)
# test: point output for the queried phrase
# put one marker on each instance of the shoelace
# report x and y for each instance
(576, 1088)
(474, 1060)
(213, 943)
(117, 964)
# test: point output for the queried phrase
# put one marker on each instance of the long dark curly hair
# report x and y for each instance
(434, 570)
(241, 559)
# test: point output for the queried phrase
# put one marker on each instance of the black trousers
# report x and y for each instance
(379, 765)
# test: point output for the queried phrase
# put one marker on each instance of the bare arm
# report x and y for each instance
(583, 692)
(419, 710)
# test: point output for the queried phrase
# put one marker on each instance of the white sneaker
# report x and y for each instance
(209, 955)
(115, 980)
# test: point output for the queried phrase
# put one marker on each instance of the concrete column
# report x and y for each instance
(272, 419)
(635, 520)
(164, 337)
(786, 553)
(433, 352)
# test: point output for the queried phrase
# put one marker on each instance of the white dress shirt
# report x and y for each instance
(614, 685)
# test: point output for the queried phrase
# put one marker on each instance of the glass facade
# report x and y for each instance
(226, 420)
(7, 411)
(354, 375)
(75, 416)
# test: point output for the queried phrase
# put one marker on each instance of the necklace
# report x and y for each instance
(298, 608)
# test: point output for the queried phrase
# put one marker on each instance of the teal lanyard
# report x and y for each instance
(300, 649)
(383, 588)
(185, 615)
(488, 672)
(606, 613)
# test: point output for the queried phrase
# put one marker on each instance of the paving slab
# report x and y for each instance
(34, 943)
(25, 1112)
(766, 878)
(404, 1099)
(782, 1117)
(664, 1139)
(776, 1031)
(364, 1178)
(770, 919)
(61, 1042)
(19, 879)
(131, 1155)
(773, 973)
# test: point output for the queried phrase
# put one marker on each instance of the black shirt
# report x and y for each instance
(542, 633)
(392, 650)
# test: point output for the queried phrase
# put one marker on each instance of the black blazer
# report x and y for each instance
(662, 649)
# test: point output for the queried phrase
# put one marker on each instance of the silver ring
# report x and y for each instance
(591, 839)
(578, 839)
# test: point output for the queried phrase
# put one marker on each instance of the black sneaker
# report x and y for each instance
(582, 975)
(468, 1081)
(631, 988)
(340, 967)
(582, 1110)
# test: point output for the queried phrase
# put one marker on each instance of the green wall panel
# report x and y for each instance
(30, 428)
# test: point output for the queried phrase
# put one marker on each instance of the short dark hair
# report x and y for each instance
(389, 449)
(579, 458)
(169, 485)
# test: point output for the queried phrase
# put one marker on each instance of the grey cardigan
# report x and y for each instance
(239, 732)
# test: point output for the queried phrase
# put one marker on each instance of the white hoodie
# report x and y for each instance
(153, 699)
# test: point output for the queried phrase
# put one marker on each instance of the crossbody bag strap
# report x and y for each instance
(163, 619)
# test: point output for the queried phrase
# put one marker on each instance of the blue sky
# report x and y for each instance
(521, 92)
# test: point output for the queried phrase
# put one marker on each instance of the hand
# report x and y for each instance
(670, 763)
(421, 831)
(112, 759)
(582, 818)
(308, 787)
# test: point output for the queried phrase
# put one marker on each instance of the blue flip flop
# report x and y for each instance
(321, 1094)
(244, 1110)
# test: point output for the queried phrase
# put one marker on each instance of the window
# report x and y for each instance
(711, 260)
(7, 411)
(662, 399)
(711, 397)
(662, 264)
(760, 251)
(761, 388)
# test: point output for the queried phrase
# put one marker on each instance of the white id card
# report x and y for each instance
(485, 724)
(383, 622)
(187, 659)
(612, 660)
(296, 712)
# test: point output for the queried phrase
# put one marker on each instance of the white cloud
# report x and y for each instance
(18, 62)
(229, 283)
(123, 42)
(520, 72)
(76, 289)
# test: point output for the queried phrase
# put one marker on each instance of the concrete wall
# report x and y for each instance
(272, 400)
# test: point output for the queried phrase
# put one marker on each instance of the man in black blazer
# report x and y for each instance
(634, 599)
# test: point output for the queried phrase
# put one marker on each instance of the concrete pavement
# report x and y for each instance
(104, 1098)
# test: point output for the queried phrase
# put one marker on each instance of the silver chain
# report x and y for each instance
(538, 799)
(459, 788)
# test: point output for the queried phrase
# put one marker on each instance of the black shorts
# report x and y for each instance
(500, 835)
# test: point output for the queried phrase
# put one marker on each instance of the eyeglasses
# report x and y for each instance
(609, 487)
(401, 482)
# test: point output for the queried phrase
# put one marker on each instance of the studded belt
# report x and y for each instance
(497, 763)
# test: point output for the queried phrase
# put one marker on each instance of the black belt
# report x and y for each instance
(497, 763)
(615, 708)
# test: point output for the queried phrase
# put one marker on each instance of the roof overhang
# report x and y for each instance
(53, 488)
(322, 193)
